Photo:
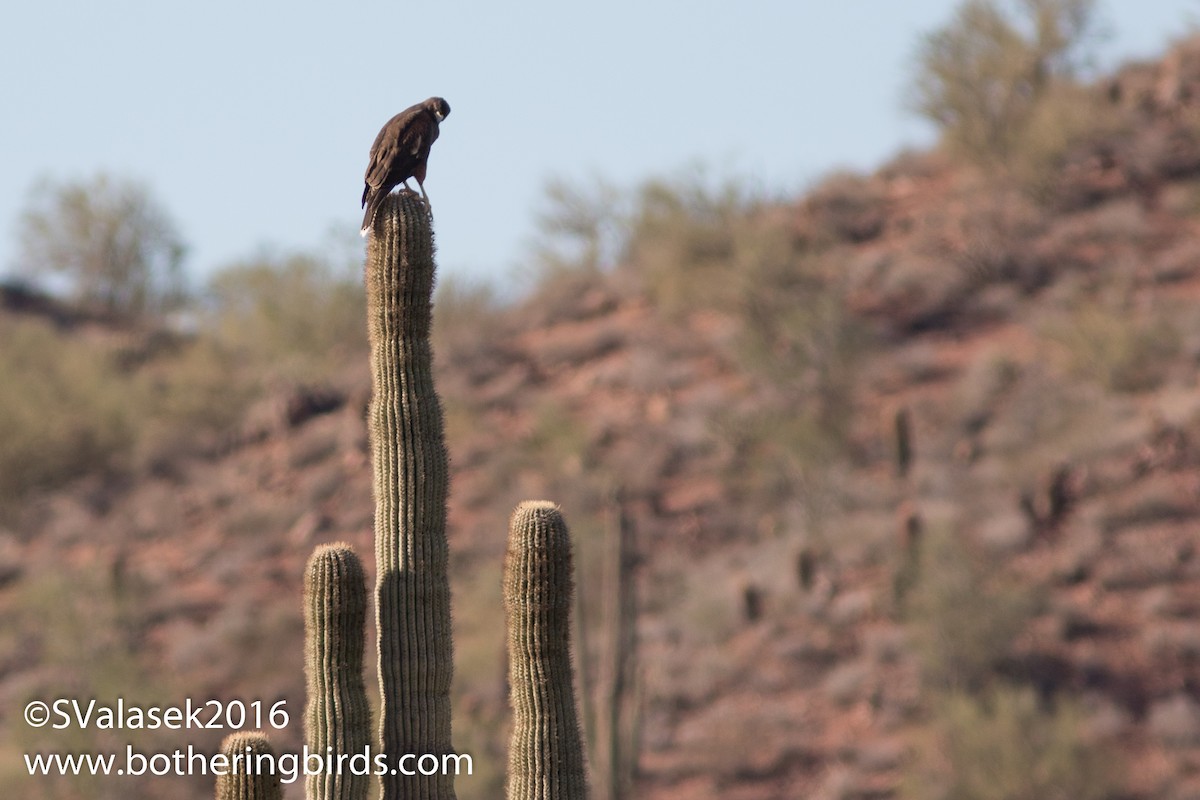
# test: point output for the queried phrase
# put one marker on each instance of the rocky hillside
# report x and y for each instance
(911, 465)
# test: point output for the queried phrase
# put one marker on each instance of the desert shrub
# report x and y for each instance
(109, 238)
(1005, 746)
(268, 322)
(580, 226)
(1069, 118)
(804, 350)
(64, 411)
(1119, 348)
(795, 329)
(1046, 417)
(989, 239)
(557, 440)
(941, 275)
(462, 311)
(75, 404)
(682, 238)
(984, 75)
(190, 400)
(720, 251)
(964, 615)
(846, 206)
(695, 246)
(82, 629)
(980, 388)
(782, 458)
(293, 317)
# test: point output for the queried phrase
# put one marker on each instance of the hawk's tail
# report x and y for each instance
(369, 217)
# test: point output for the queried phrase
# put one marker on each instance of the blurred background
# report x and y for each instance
(858, 345)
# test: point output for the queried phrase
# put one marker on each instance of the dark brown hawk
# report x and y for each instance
(400, 152)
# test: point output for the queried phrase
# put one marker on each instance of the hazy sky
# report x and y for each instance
(251, 120)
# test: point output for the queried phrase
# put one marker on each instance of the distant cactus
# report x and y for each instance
(752, 602)
(243, 779)
(337, 716)
(412, 590)
(806, 567)
(545, 757)
(908, 570)
(610, 683)
(1047, 505)
(912, 529)
(902, 433)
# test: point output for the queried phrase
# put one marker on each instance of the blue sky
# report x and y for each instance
(251, 121)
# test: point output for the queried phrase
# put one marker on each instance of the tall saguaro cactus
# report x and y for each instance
(545, 755)
(409, 462)
(337, 718)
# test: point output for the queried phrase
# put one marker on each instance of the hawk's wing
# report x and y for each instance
(402, 144)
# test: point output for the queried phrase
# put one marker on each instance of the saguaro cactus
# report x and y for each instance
(337, 719)
(902, 434)
(409, 462)
(545, 755)
(243, 778)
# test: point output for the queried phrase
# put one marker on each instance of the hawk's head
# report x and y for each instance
(439, 107)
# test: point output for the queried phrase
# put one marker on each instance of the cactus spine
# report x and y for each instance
(243, 779)
(409, 463)
(337, 718)
(545, 756)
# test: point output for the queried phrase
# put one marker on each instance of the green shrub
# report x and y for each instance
(117, 247)
(64, 411)
(1117, 347)
(1005, 746)
(1069, 117)
(82, 629)
(683, 239)
(581, 226)
(964, 616)
(983, 76)
(297, 316)
(190, 399)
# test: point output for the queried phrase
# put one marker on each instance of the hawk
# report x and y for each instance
(400, 152)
